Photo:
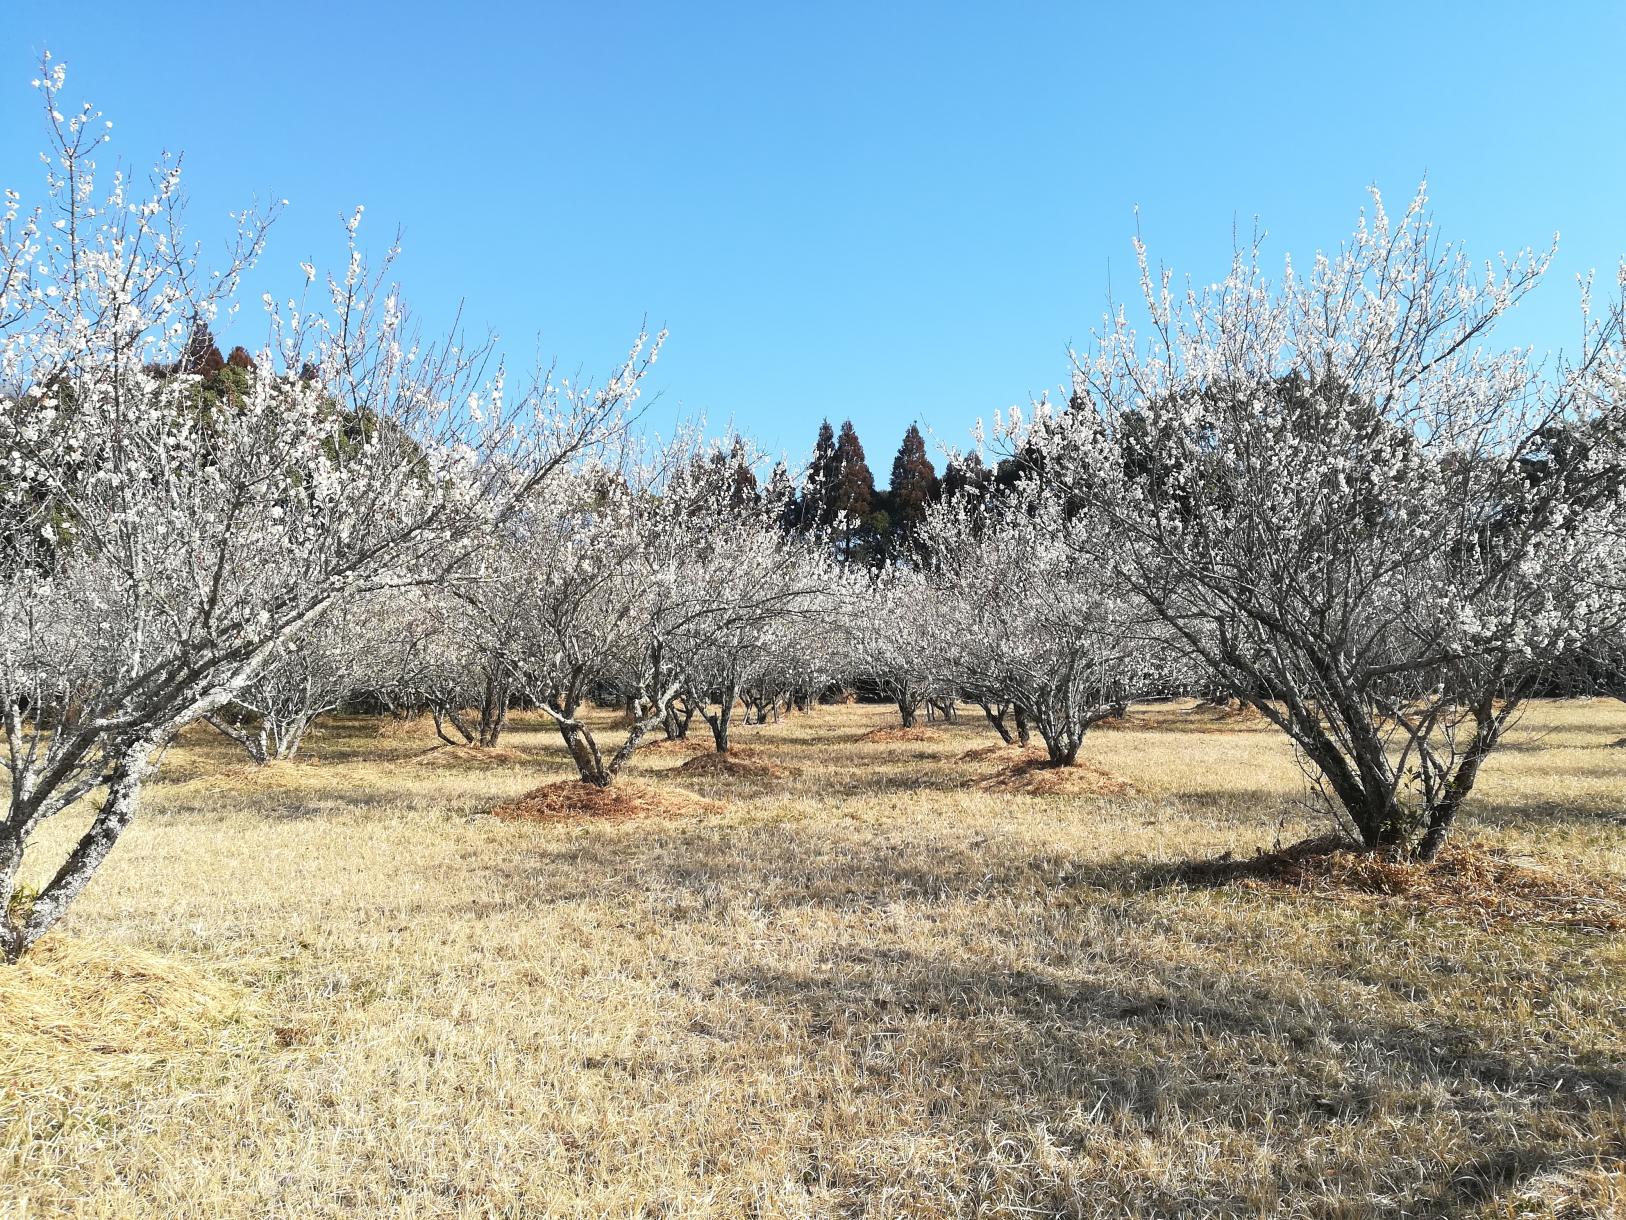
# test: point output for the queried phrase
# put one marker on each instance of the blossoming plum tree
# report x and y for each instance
(307, 675)
(1342, 495)
(647, 577)
(1032, 617)
(755, 588)
(154, 556)
(893, 649)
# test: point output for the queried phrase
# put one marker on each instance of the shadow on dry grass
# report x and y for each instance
(1126, 1055)
(859, 991)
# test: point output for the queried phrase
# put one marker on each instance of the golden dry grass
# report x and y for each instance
(863, 990)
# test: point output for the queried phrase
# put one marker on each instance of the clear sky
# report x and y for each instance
(888, 211)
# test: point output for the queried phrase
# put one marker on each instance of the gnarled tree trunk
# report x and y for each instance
(22, 924)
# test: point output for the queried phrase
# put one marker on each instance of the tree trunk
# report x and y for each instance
(11, 859)
(997, 719)
(119, 808)
(253, 743)
(640, 729)
(675, 725)
(1062, 747)
(722, 720)
(493, 711)
(719, 732)
(286, 738)
(585, 753)
(1022, 730)
(449, 715)
(907, 710)
(1488, 727)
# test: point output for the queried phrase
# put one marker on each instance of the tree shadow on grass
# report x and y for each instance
(1524, 811)
(1190, 1058)
(1352, 1089)
(826, 784)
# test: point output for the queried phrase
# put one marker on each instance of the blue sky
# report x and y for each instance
(888, 211)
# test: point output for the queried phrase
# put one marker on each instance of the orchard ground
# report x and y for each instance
(858, 988)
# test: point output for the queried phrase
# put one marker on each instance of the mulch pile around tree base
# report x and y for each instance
(571, 800)
(895, 733)
(677, 745)
(736, 764)
(1466, 881)
(997, 750)
(1035, 776)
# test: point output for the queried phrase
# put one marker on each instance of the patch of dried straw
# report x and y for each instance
(470, 757)
(77, 1012)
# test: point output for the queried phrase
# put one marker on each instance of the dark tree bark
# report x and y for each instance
(996, 713)
(1063, 735)
(21, 929)
(494, 699)
(723, 718)
(676, 722)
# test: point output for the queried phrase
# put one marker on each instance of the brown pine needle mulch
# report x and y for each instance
(571, 800)
(1466, 881)
(677, 745)
(1000, 749)
(896, 733)
(736, 764)
(1034, 775)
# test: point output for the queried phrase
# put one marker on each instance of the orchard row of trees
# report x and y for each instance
(1333, 495)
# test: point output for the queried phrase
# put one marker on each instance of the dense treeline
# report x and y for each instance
(878, 525)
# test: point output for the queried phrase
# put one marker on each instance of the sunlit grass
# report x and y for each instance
(858, 991)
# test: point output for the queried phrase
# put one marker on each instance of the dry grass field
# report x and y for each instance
(859, 988)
